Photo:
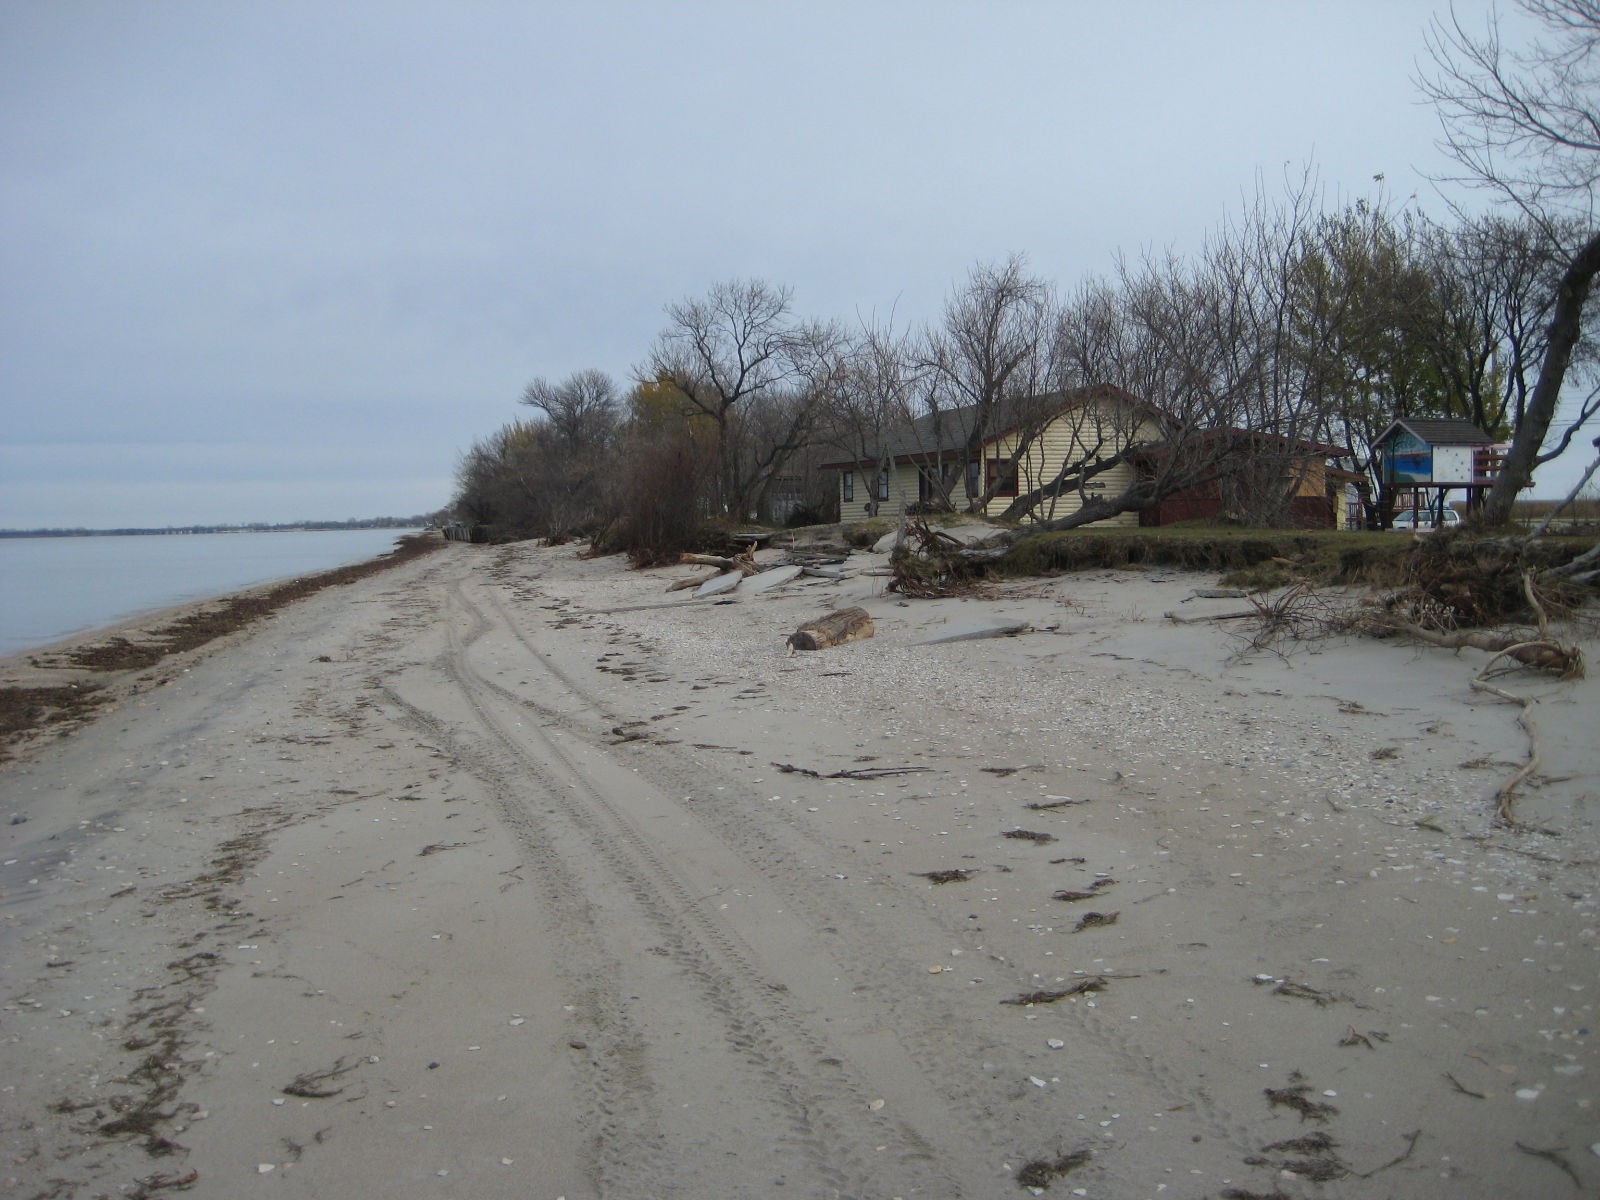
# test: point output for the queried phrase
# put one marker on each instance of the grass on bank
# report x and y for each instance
(1257, 559)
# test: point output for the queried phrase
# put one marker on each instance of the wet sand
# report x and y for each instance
(485, 877)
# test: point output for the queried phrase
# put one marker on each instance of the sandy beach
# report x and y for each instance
(507, 873)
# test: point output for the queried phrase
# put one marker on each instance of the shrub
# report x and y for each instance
(664, 500)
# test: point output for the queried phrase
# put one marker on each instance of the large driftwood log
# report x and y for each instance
(832, 629)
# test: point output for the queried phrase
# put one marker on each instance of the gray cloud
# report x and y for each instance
(341, 237)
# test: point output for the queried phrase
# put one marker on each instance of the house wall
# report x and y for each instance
(1309, 508)
(902, 493)
(1313, 479)
(1072, 437)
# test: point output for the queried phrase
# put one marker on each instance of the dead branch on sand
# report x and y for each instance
(1505, 796)
(1300, 613)
(1540, 650)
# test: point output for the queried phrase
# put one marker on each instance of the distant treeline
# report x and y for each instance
(416, 522)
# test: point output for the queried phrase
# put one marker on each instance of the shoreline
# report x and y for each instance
(37, 684)
(487, 877)
(168, 598)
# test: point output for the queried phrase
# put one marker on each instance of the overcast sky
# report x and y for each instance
(269, 261)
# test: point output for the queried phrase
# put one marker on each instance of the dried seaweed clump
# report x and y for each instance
(1317, 1158)
(1094, 983)
(954, 875)
(1042, 1172)
(1298, 1097)
(1029, 835)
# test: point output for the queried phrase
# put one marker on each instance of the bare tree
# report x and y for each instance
(1220, 375)
(582, 410)
(1379, 338)
(993, 368)
(500, 481)
(1526, 124)
(874, 400)
(550, 476)
(1495, 279)
(1281, 326)
(1157, 341)
(740, 348)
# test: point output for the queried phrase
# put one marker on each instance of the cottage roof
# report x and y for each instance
(1440, 431)
(1236, 437)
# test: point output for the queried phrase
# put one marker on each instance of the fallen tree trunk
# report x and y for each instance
(1565, 661)
(1585, 569)
(832, 629)
(1539, 650)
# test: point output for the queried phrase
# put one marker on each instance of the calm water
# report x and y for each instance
(51, 588)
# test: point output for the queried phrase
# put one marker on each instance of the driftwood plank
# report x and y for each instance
(776, 577)
(718, 584)
(970, 631)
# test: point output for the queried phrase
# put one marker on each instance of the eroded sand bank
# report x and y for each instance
(449, 883)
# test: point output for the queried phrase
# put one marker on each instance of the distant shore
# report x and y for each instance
(419, 522)
(509, 873)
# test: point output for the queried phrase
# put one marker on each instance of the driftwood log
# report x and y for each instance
(832, 629)
(744, 563)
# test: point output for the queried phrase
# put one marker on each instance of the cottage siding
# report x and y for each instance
(1107, 483)
(902, 493)
(1075, 435)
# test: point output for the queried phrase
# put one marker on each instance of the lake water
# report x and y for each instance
(52, 588)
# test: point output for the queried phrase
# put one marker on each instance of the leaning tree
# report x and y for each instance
(1525, 123)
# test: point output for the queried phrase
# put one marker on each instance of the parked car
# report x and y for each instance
(1422, 520)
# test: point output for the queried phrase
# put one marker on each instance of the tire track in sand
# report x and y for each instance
(785, 1065)
(929, 1027)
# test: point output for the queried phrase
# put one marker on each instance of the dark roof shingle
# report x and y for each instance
(1441, 431)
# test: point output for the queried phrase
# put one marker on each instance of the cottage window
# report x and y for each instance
(1003, 476)
(972, 480)
(849, 485)
(883, 485)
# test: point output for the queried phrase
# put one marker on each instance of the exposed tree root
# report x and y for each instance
(1505, 797)
(927, 563)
